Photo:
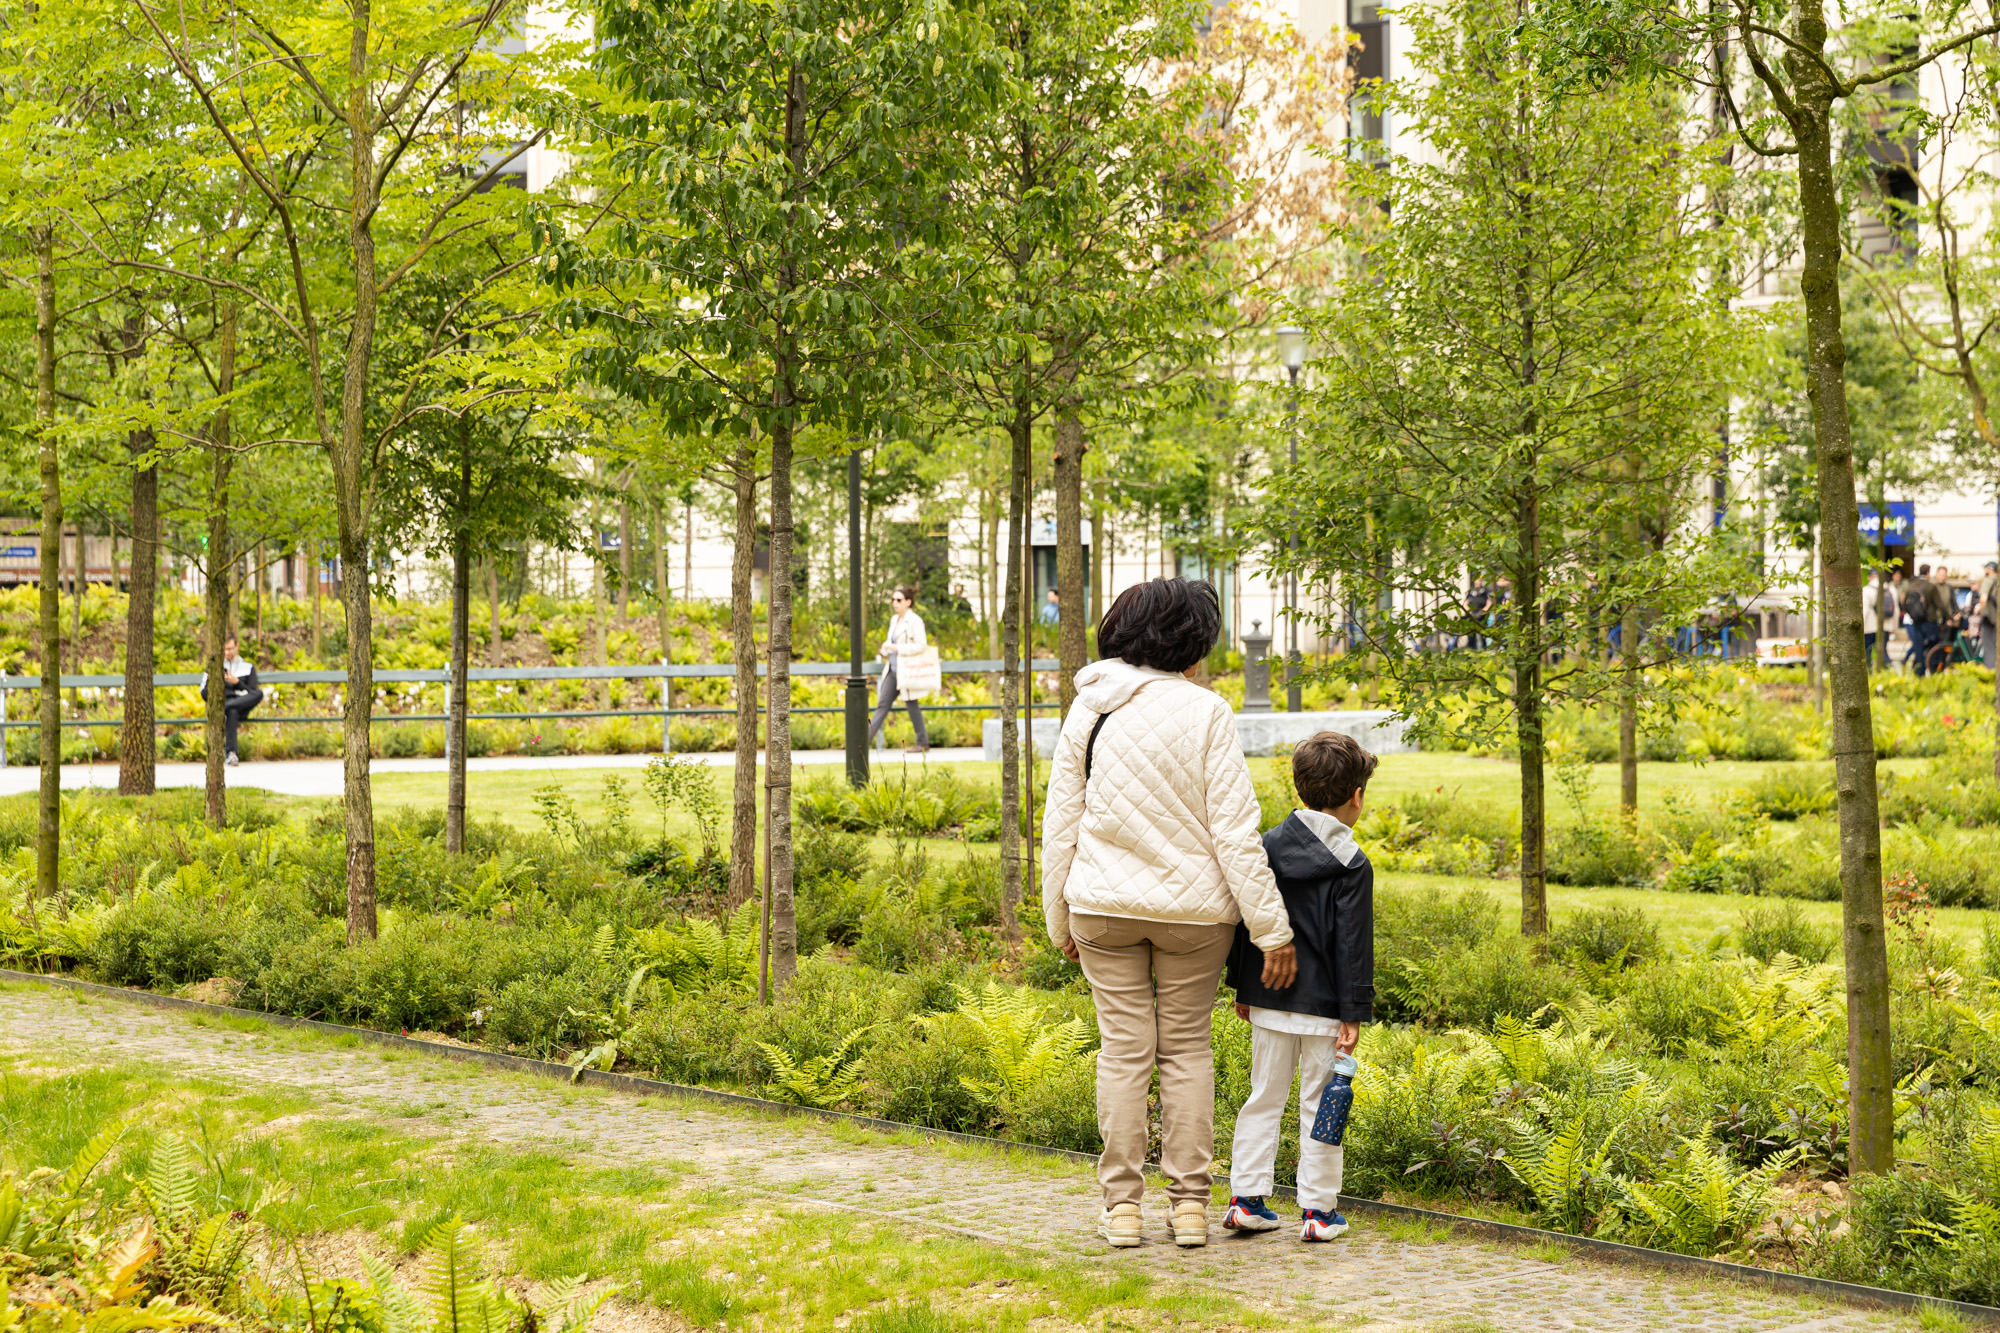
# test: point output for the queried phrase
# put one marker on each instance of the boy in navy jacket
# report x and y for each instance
(1329, 891)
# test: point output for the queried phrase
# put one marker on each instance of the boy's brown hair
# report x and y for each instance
(1329, 768)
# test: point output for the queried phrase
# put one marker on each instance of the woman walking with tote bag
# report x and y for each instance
(1150, 857)
(906, 636)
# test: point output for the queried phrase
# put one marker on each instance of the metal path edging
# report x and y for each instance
(1794, 1283)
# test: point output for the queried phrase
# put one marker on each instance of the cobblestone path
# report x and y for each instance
(1440, 1284)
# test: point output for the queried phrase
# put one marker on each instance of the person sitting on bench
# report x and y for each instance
(240, 694)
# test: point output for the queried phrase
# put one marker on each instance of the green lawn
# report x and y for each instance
(1687, 920)
(508, 795)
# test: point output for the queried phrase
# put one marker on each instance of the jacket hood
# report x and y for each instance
(1297, 853)
(1109, 683)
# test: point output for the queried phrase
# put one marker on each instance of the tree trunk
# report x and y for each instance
(743, 636)
(1068, 460)
(778, 727)
(1095, 610)
(1527, 626)
(1628, 720)
(352, 483)
(1871, 1079)
(461, 651)
(48, 832)
(135, 749)
(687, 552)
(661, 593)
(221, 560)
(313, 567)
(73, 649)
(599, 606)
(1010, 680)
(993, 606)
(493, 608)
(624, 560)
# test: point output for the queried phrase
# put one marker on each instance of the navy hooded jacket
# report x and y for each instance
(1333, 928)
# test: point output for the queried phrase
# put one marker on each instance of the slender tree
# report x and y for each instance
(786, 155)
(1805, 71)
(1518, 365)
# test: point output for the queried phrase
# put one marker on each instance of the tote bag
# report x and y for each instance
(918, 672)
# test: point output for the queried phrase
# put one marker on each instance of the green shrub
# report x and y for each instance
(164, 940)
(1678, 1002)
(1502, 975)
(1767, 932)
(401, 742)
(306, 977)
(1957, 789)
(1060, 1111)
(1958, 869)
(537, 1014)
(1603, 935)
(1597, 850)
(1791, 791)
(421, 974)
(921, 1079)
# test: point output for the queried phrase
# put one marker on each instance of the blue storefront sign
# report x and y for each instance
(18, 553)
(1902, 523)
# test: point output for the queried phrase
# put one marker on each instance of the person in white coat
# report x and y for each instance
(906, 635)
(1151, 855)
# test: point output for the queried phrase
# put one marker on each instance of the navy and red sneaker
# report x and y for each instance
(1322, 1225)
(1249, 1214)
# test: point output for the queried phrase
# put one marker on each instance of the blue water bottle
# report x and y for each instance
(1330, 1125)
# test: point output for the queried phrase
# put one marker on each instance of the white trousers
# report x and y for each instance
(1253, 1156)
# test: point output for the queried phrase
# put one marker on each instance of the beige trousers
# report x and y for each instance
(1154, 983)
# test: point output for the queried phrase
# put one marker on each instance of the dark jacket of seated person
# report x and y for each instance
(1332, 906)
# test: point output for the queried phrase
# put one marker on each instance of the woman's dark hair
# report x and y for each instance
(907, 592)
(1167, 624)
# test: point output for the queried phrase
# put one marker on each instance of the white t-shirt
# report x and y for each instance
(234, 666)
(1339, 840)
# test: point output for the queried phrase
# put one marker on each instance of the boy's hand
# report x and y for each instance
(1068, 948)
(1281, 967)
(1350, 1033)
(1242, 1011)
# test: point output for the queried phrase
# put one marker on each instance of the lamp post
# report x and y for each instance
(857, 683)
(1292, 349)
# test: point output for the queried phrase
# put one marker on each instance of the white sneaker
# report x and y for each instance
(229, 760)
(1190, 1218)
(1119, 1224)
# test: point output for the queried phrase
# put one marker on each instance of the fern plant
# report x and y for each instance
(699, 956)
(1010, 1028)
(203, 1245)
(614, 1025)
(822, 1082)
(1562, 1151)
(1698, 1203)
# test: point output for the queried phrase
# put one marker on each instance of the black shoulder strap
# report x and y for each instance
(1090, 746)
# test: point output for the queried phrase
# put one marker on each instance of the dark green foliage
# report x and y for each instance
(1598, 850)
(1624, 936)
(1767, 932)
(163, 941)
(1793, 790)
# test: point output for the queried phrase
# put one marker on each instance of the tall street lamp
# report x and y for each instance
(857, 683)
(1292, 350)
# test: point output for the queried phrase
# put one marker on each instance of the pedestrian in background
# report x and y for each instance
(906, 635)
(1878, 612)
(1921, 606)
(1986, 614)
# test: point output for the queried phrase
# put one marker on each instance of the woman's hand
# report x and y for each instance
(1068, 948)
(1281, 967)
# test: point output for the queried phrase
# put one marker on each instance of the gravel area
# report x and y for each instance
(1035, 1204)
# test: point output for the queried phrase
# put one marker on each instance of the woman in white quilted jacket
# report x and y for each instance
(1150, 858)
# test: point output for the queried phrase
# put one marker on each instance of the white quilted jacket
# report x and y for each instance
(1166, 829)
